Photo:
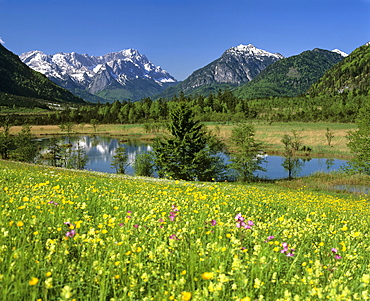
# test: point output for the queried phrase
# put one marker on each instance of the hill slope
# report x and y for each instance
(290, 76)
(20, 85)
(351, 74)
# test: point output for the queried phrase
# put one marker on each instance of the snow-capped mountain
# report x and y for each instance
(236, 66)
(126, 70)
(342, 53)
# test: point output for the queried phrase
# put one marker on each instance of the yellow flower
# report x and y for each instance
(20, 224)
(183, 272)
(186, 296)
(207, 275)
(245, 299)
(365, 278)
(48, 274)
(33, 281)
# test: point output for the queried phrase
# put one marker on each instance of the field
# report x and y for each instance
(312, 134)
(77, 235)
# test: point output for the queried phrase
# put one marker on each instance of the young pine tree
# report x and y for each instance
(359, 142)
(190, 153)
(245, 158)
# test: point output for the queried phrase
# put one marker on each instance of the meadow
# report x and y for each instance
(78, 235)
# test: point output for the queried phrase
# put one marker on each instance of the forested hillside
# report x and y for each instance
(350, 76)
(22, 86)
(290, 76)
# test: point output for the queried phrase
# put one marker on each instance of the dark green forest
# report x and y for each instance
(22, 86)
(290, 76)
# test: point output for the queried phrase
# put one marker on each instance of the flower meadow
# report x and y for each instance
(76, 235)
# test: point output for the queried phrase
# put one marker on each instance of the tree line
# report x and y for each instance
(223, 106)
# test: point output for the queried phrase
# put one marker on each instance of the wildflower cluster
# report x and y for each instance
(68, 235)
(241, 224)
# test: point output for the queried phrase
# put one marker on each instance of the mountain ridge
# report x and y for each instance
(291, 76)
(93, 74)
(351, 75)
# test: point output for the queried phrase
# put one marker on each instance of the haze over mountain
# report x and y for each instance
(236, 66)
(291, 76)
(22, 86)
(126, 74)
(352, 75)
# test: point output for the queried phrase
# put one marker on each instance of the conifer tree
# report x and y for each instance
(245, 157)
(190, 153)
(359, 142)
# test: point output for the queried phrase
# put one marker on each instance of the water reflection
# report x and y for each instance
(100, 151)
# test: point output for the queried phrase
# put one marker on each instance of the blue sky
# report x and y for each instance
(183, 35)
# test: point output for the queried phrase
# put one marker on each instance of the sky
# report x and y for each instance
(182, 36)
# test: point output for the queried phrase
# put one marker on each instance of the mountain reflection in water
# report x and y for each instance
(100, 151)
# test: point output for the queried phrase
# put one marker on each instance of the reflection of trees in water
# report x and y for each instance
(99, 148)
(293, 166)
(329, 163)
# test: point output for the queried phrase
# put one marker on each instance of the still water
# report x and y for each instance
(100, 151)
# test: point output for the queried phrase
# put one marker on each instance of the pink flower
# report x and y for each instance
(338, 256)
(239, 217)
(136, 226)
(334, 250)
(71, 233)
(213, 222)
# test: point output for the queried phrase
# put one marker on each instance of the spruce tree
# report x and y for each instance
(190, 153)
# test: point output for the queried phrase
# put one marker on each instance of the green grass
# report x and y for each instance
(77, 235)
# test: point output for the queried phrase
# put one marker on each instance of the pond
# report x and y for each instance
(100, 151)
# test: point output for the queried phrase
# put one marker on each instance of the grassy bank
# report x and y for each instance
(312, 134)
(77, 235)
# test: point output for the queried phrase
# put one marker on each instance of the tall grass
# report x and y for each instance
(68, 235)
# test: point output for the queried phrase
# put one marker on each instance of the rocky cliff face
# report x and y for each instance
(236, 66)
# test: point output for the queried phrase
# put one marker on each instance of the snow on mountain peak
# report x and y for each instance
(251, 50)
(82, 68)
(342, 53)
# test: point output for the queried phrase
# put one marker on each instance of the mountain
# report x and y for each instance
(290, 76)
(22, 86)
(126, 74)
(351, 75)
(236, 66)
